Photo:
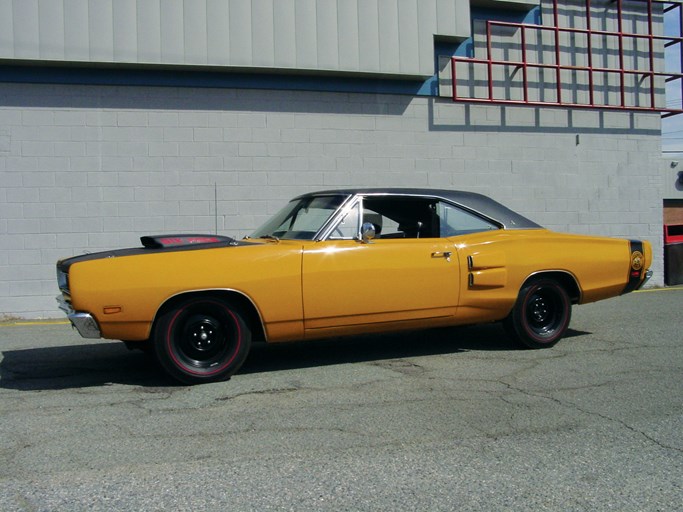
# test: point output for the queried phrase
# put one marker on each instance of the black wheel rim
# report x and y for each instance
(203, 335)
(544, 312)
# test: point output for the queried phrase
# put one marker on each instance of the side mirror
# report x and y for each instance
(367, 232)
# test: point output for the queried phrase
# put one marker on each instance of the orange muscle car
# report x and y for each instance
(344, 262)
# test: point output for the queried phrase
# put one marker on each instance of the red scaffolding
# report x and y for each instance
(645, 83)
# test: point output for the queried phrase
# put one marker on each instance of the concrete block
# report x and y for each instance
(100, 240)
(193, 208)
(102, 179)
(69, 118)
(309, 150)
(100, 118)
(117, 224)
(337, 179)
(163, 178)
(265, 163)
(145, 194)
(169, 119)
(10, 179)
(71, 240)
(87, 194)
(83, 134)
(226, 149)
(148, 225)
(118, 194)
(252, 179)
(252, 149)
(99, 149)
(116, 164)
(38, 210)
(208, 163)
(32, 148)
(138, 118)
(294, 135)
(37, 117)
(222, 119)
(81, 225)
(195, 179)
(10, 117)
(40, 241)
(193, 119)
(162, 149)
(177, 134)
(178, 224)
(182, 164)
(148, 164)
(132, 149)
(13, 241)
(133, 179)
(309, 179)
(265, 135)
(251, 120)
(164, 208)
(30, 180)
(24, 257)
(193, 148)
(207, 134)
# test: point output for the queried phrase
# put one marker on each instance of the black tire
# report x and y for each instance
(541, 314)
(202, 339)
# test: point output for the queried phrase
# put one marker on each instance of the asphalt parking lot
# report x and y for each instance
(451, 419)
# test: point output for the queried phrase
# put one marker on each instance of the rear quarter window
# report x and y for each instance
(455, 221)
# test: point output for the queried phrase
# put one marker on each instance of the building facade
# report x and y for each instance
(136, 117)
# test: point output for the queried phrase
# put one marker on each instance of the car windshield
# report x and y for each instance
(301, 219)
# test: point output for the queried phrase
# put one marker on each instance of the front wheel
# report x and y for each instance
(541, 314)
(201, 340)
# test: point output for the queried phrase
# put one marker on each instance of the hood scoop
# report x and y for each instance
(168, 241)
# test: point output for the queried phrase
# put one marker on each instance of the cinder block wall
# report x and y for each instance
(86, 168)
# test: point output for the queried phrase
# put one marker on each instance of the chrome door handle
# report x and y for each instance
(445, 254)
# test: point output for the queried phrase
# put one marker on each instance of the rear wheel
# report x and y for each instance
(541, 314)
(202, 339)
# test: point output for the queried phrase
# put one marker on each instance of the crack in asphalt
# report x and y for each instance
(261, 392)
(574, 406)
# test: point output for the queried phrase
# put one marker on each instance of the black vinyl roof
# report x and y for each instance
(477, 203)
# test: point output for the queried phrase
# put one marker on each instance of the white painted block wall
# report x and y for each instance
(86, 168)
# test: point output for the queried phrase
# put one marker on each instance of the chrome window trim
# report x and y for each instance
(326, 226)
(338, 216)
(354, 199)
(483, 206)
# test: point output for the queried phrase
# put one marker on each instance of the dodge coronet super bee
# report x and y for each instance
(344, 262)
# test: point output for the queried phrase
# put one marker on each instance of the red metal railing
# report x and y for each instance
(648, 75)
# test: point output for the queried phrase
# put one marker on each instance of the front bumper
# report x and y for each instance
(83, 322)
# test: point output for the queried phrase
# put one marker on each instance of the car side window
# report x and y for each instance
(348, 228)
(383, 225)
(401, 216)
(455, 221)
(408, 217)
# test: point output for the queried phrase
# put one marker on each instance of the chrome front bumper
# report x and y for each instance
(83, 322)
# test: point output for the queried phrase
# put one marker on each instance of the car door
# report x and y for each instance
(407, 274)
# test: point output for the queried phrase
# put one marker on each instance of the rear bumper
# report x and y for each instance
(83, 322)
(648, 275)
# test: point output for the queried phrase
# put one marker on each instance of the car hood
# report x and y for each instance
(155, 244)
